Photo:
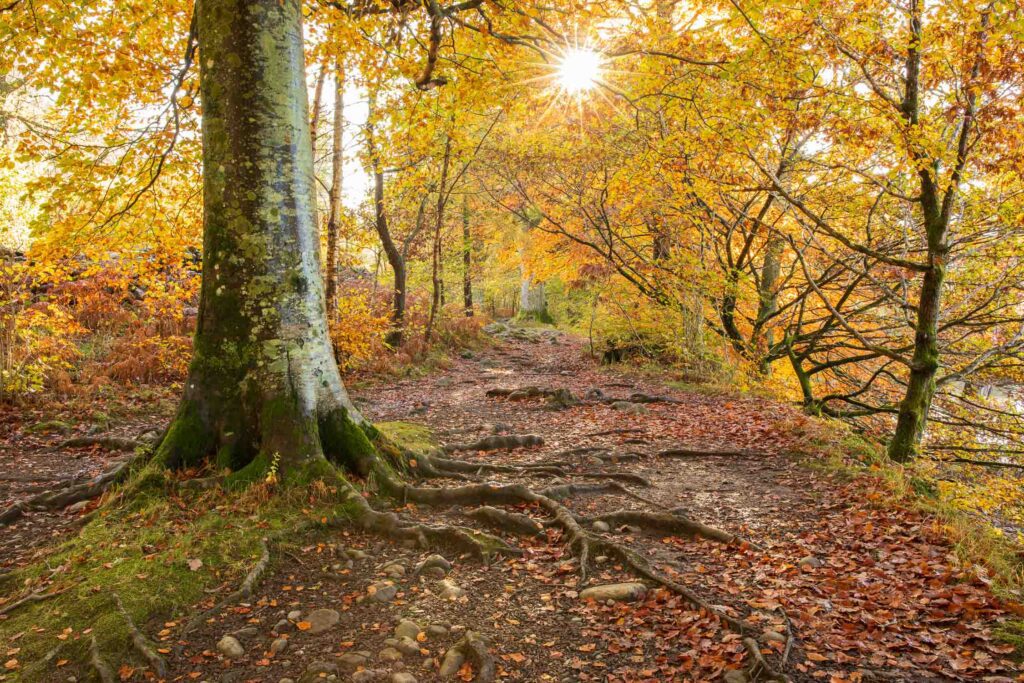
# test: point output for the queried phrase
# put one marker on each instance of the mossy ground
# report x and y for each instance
(161, 550)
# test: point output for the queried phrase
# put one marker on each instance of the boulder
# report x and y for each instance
(617, 592)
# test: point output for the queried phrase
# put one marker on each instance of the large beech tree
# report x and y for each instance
(263, 387)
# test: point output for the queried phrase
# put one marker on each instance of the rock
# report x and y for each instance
(810, 562)
(435, 573)
(295, 615)
(394, 570)
(230, 647)
(279, 645)
(451, 591)
(390, 654)
(286, 680)
(735, 676)
(407, 646)
(628, 407)
(79, 506)
(282, 626)
(383, 591)
(434, 561)
(773, 637)
(369, 676)
(436, 631)
(356, 554)
(350, 661)
(318, 671)
(403, 677)
(452, 663)
(407, 628)
(600, 526)
(616, 592)
(322, 619)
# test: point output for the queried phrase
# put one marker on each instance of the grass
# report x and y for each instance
(414, 437)
(160, 551)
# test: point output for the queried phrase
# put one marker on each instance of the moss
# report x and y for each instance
(140, 548)
(50, 426)
(257, 470)
(187, 440)
(409, 435)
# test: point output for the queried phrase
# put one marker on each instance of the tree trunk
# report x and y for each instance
(467, 260)
(437, 298)
(263, 391)
(337, 176)
(394, 255)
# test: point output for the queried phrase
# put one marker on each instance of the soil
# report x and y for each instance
(854, 588)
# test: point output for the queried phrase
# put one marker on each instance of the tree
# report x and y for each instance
(263, 389)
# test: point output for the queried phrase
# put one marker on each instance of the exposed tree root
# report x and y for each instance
(685, 453)
(61, 498)
(498, 442)
(583, 543)
(244, 590)
(139, 641)
(671, 524)
(627, 477)
(37, 596)
(551, 468)
(520, 524)
(612, 432)
(110, 443)
(103, 671)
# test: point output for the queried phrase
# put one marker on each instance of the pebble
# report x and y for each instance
(390, 654)
(433, 561)
(810, 562)
(230, 647)
(318, 671)
(322, 619)
(279, 645)
(407, 646)
(395, 571)
(451, 591)
(282, 626)
(436, 631)
(452, 663)
(351, 661)
(368, 676)
(403, 677)
(407, 628)
(383, 591)
(295, 615)
(601, 527)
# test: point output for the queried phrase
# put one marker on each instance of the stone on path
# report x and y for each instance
(451, 591)
(452, 663)
(809, 562)
(617, 592)
(315, 669)
(279, 645)
(322, 619)
(383, 591)
(390, 654)
(600, 526)
(351, 661)
(407, 628)
(230, 647)
(403, 677)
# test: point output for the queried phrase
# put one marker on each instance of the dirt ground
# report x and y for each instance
(843, 586)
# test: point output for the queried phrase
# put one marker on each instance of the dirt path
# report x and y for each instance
(844, 588)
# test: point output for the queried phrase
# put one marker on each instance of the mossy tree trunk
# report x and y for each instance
(263, 387)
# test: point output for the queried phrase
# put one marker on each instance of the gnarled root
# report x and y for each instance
(61, 498)
(244, 590)
(688, 453)
(474, 649)
(584, 543)
(110, 443)
(103, 671)
(498, 442)
(668, 523)
(139, 642)
(514, 522)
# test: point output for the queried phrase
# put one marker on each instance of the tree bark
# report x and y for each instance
(436, 300)
(467, 260)
(394, 255)
(337, 176)
(263, 391)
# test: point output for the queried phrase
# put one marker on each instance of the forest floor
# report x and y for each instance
(845, 585)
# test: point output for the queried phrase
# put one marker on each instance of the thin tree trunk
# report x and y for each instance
(467, 260)
(394, 255)
(442, 199)
(314, 124)
(337, 177)
(263, 391)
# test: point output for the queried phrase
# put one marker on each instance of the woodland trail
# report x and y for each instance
(842, 587)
